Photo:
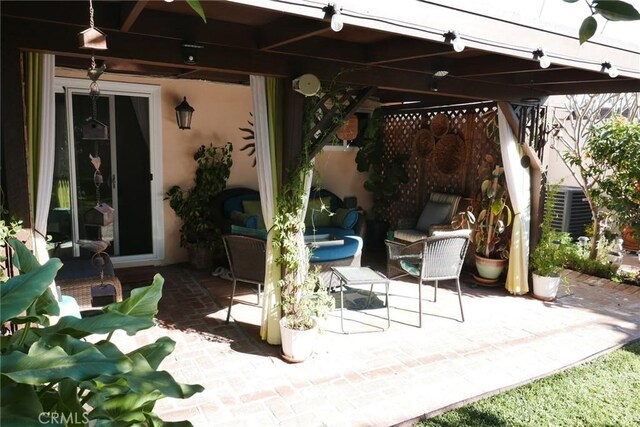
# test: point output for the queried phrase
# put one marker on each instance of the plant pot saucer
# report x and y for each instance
(290, 359)
(545, 299)
(486, 282)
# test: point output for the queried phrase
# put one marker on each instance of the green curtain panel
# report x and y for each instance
(33, 96)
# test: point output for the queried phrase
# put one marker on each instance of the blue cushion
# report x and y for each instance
(433, 213)
(243, 219)
(352, 245)
(345, 218)
(235, 203)
(253, 232)
(410, 267)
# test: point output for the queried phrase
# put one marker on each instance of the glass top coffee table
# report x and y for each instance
(353, 276)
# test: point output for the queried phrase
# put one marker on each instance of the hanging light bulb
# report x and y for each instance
(333, 11)
(539, 54)
(611, 69)
(454, 38)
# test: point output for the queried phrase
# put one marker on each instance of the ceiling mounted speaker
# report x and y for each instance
(306, 84)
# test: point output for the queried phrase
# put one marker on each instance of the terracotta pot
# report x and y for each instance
(200, 258)
(629, 242)
(490, 268)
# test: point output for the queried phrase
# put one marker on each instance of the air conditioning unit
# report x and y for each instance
(571, 211)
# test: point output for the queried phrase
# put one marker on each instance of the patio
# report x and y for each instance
(378, 378)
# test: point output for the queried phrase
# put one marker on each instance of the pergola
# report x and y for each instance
(400, 49)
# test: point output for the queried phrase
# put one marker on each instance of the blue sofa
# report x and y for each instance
(239, 212)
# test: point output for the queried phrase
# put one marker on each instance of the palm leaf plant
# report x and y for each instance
(53, 369)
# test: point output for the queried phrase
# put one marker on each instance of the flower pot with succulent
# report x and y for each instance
(550, 254)
(492, 243)
(200, 233)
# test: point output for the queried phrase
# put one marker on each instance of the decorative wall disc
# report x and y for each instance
(423, 141)
(439, 125)
(449, 153)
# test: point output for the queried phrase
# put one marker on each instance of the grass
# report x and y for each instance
(603, 392)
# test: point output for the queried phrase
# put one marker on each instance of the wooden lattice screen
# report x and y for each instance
(445, 146)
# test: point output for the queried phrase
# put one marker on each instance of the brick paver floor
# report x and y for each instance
(377, 378)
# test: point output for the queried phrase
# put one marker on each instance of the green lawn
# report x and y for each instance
(604, 392)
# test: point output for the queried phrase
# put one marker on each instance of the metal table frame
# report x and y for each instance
(359, 276)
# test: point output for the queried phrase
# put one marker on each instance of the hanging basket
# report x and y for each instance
(448, 154)
(348, 131)
(423, 142)
(439, 125)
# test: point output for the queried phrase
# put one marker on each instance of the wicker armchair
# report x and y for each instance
(435, 258)
(247, 262)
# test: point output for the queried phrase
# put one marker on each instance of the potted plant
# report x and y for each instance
(385, 175)
(200, 233)
(550, 254)
(492, 246)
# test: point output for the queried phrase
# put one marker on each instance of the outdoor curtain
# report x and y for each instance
(518, 181)
(267, 140)
(40, 104)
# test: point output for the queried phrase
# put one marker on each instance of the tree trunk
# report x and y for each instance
(593, 253)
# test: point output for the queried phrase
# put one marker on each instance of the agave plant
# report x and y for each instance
(494, 217)
(51, 373)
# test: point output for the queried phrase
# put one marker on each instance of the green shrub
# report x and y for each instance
(592, 267)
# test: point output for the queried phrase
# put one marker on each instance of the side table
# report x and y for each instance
(359, 276)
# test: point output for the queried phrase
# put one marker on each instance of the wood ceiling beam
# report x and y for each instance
(318, 47)
(107, 15)
(401, 49)
(166, 52)
(130, 13)
(288, 29)
(549, 76)
(577, 88)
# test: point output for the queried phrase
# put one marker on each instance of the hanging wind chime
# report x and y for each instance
(101, 214)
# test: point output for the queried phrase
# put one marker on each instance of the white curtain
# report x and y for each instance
(46, 160)
(270, 328)
(518, 181)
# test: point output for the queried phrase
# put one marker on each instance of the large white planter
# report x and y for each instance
(298, 345)
(545, 287)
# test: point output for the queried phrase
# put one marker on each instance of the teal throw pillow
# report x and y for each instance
(345, 218)
(244, 219)
(253, 207)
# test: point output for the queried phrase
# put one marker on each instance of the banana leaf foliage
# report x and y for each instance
(53, 372)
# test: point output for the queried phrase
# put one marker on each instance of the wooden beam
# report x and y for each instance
(130, 13)
(287, 30)
(293, 132)
(165, 52)
(14, 142)
(403, 48)
(319, 47)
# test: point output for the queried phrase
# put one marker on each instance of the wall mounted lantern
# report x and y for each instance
(184, 111)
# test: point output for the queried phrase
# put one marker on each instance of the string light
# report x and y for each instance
(610, 69)
(454, 38)
(539, 54)
(333, 10)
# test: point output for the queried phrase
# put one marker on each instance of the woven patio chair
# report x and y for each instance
(246, 261)
(430, 260)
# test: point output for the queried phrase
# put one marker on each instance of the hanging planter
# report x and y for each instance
(349, 131)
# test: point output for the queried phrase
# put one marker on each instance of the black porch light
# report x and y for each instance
(184, 111)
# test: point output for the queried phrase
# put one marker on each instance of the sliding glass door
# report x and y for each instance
(107, 169)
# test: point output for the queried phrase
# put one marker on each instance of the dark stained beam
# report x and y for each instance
(403, 48)
(130, 13)
(166, 52)
(119, 66)
(13, 135)
(318, 47)
(548, 76)
(192, 28)
(107, 15)
(287, 30)
(492, 64)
